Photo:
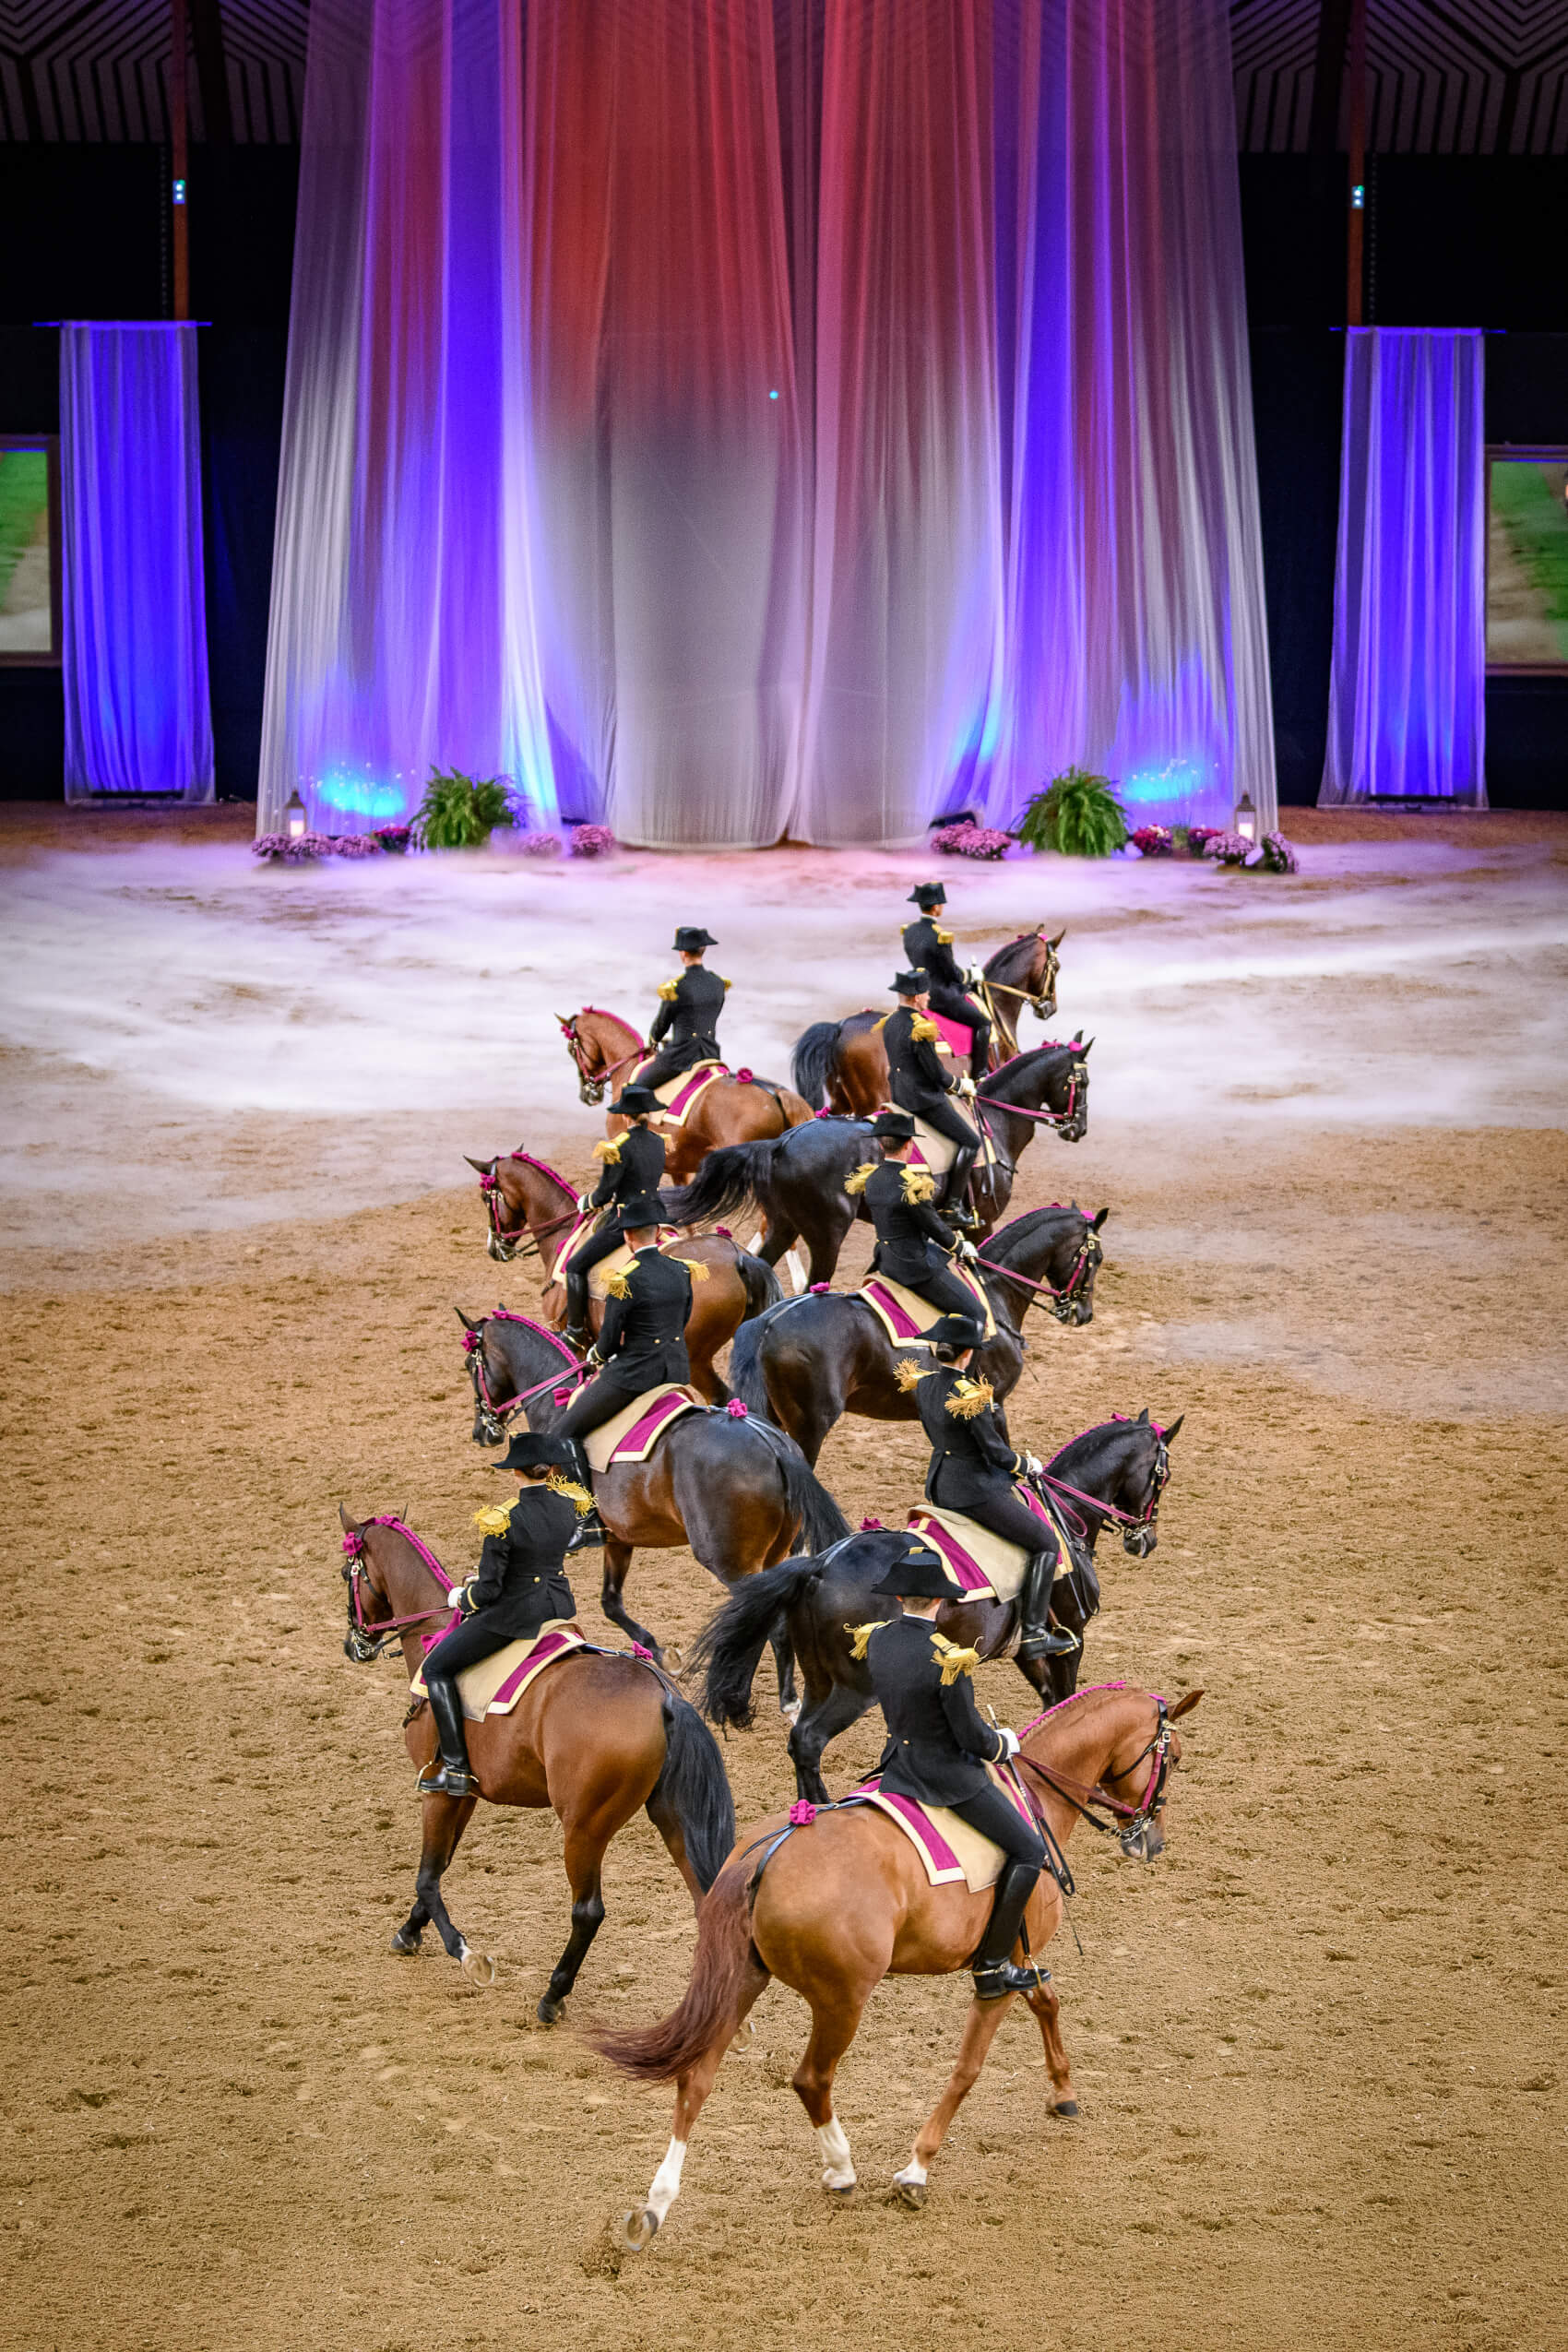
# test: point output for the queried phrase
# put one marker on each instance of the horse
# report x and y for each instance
(843, 1065)
(1112, 1474)
(736, 1109)
(798, 1181)
(733, 1487)
(805, 1362)
(530, 1206)
(595, 1735)
(832, 1901)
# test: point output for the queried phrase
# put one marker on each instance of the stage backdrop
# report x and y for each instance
(733, 418)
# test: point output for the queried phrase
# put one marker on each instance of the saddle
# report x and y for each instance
(977, 1565)
(615, 1263)
(681, 1094)
(948, 1846)
(495, 1683)
(906, 1317)
(632, 1435)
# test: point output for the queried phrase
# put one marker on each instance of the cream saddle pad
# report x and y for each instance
(498, 1682)
(949, 1849)
(625, 1437)
(983, 1565)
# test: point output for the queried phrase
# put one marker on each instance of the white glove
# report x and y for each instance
(965, 1085)
(1010, 1743)
(585, 1202)
(967, 1250)
(973, 976)
(460, 1600)
(1033, 1465)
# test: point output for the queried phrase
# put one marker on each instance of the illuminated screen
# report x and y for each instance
(1527, 565)
(29, 588)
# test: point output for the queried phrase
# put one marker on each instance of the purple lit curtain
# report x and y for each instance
(134, 658)
(1407, 713)
(736, 418)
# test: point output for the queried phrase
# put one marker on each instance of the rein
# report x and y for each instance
(474, 1347)
(354, 1546)
(1130, 1822)
(1089, 1253)
(528, 1236)
(599, 1078)
(1062, 1119)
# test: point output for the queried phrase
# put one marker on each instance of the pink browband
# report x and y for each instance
(354, 1546)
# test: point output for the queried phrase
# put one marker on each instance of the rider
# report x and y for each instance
(688, 1012)
(919, 1084)
(938, 1746)
(973, 1469)
(912, 1240)
(519, 1586)
(634, 1163)
(641, 1342)
(929, 949)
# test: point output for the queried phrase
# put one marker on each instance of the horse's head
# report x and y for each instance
(1137, 1777)
(489, 1429)
(366, 1594)
(1146, 1469)
(1044, 970)
(587, 1054)
(500, 1241)
(1074, 1264)
(1068, 1092)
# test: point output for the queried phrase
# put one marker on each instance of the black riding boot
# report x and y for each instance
(980, 1053)
(576, 1331)
(954, 1207)
(993, 1970)
(451, 1776)
(1036, 1636)
(591, 1527)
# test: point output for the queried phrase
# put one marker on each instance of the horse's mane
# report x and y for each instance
(1100, 1428)
(402, 1527)
(1089, 1691)
(545, 1170)
(1016, 1224)
(542, 1331)
(988, 1084)
(619, 1019)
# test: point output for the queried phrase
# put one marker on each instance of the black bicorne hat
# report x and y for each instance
(910, 983)
(636, 1102)
(918, 1575)
(955, 1332)
(893, 1127)
(691, 939)
(528, 1451)
(643, 1208)
(926, 894)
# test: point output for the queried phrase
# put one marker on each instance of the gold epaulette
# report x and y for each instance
(693, 1266)
(955, 1661)
(969, 1398)
(609, 1150)
(943, 938)
(726, 982)
(492, 1520)
(577, 1496)
(920, 1184)
(666, 990)
(881, 1024)
(925, 1033)
(860, 1635)
(909, 1372)
(618, 1286)
(859, 1178)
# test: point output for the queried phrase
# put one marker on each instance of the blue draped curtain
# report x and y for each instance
(138, 715)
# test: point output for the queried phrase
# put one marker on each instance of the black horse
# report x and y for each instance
(797, 1180)
(1114, 1474)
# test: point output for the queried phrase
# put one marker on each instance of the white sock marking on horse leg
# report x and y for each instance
(754, 1245)
(667, 2179)
(912, 2176)
(837, 2170)
(797, 1271)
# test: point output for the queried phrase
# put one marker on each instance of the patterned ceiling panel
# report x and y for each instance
(98, 69)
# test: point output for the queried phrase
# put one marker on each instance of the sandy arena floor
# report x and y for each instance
(1320, 2046)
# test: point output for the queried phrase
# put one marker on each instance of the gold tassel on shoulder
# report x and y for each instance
(859, 1178)
(970, 1398)
(609, 1151)
(943, 938)
(667, 990)
(693, 1266)
(860, 1635)
(492, 1520)
(617, 1286)
(955, 1661)
(909, 1373)
(881, 1024)
(726, 982)
(920, 1184)
(924, 1032)
(577, 1496)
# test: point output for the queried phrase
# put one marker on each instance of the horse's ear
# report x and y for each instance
(1175, 1425)
(1098, 1219)
(485, 1167)
(565, 1021)
(1059, 938)
(1088, 1041)
(1183, 1706)
(350, 1526)
(1143, 1415)
(467, 1320)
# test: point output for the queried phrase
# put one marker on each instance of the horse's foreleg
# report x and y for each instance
(980, 2032)
(1048, 2011)
(819, 1721)
(584, 1856)
(617, 1561)
(833, 2029)
(691, 2092)
(777, 1236)
(824, 1242)
(445, 1820)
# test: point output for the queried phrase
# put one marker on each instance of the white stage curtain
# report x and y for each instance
(1406, 709)
(134, 655)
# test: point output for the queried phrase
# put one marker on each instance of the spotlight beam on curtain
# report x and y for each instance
(133, 654)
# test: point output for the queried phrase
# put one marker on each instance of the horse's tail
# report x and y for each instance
(728, 1649)
(811, 1060)
(724, 1182)
(693, 1785)
(709, 2011)
(746, 1380)
(819, 1521)
(763, 1287)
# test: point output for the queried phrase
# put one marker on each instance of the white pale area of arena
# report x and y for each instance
(227, 1044)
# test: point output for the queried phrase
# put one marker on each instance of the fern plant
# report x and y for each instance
(461, 811)
(1079, 813)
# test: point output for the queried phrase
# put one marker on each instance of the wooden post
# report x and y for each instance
(1355, 264)
(178, 145)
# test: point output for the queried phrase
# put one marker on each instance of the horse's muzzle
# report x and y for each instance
(1138, 1542)
(363, 1649)
(1143, 1845)
(504, 1251)
(488, 1429)
(591, 1092)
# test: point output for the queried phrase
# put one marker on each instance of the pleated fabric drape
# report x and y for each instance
(1406, 703)
(741, 418)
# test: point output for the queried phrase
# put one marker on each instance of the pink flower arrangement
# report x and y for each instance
(538, 845)
(1277, 855)
(1229, 848)
(971, 841)
(1198, 838)
(1153, 841)
(592, 841)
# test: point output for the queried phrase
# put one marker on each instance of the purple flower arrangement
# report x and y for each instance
(1279, 856)
(971, 841)
(537, 845)
(1229, 848)
(279, 849)
(591, 841)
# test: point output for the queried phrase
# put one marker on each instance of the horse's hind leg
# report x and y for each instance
(445, 1820)
(833, 2029)
(584, 1856)
(819, 1721)
(617, 1561)
(980, 2032)
(784, 1667)
(1048, 2011)
(691, 2092)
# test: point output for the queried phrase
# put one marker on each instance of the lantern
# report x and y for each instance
(295, 816)
(1246, 818)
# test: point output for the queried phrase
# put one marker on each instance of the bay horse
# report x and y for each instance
(733, 1487)
(843, 1065)
(797, 1180)
(530, 1208)
(830, 1901)
(594, 1736)
(1112, 1474)
(735, 1110)
(807, 1361)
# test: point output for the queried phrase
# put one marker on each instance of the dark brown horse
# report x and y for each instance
(809, 1360)
(740, 1108)
(842, 1065)
(1111, 1476)
(735, 1489)
(832, 1902)
(531, 1207)
(594, 1736)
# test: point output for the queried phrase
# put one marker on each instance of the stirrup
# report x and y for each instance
(1051, 1641)
(1000, 1978)
(442, 1779)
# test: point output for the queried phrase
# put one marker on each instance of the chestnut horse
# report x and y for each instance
(595, 1735)
(830, 1901)
(738, 1490)
(843, 1065)
(805, 1362)
(1114, 1476)
(530, 1208)
(740, 1108)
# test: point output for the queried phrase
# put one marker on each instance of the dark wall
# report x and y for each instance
(85, 240)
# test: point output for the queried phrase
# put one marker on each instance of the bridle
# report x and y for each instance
(493, 1417)
(1072, 1123)
(521, 1242)
(1041, 1000)
(1089, 1255)
(1129, 1825)
(591, 1082)
(1139, 1528)
(370, 1636)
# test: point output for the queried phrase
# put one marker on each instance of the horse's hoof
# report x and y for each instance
(1066, 2107)
(406, 1944)
(634, 2230)
(910, 2192)
(791, 1714)
(550, 2012)
(478, 1966)
(840, 2196)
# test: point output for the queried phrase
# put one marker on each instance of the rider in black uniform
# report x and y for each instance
(929, 949)
(913, 1245)
(919, 1084)
(938, 1746)
(519, 1584)
(973, 1469)
(634, 1163)
(641, 1342)
(685, 1026)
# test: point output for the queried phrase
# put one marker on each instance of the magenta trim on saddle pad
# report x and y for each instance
(541, 1655)
(925, 1830)
(969, 1573)
(688, 1094)
(954, 1035)
(906, 1328)
(643, 1432)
